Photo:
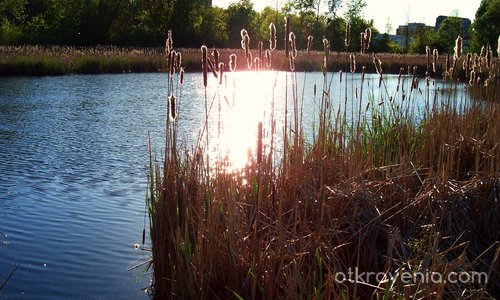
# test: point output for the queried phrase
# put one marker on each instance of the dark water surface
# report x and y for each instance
(74, 157)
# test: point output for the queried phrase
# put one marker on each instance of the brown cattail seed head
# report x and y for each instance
(169, 44)
(287, 36)
(232, 62)
(368, 37)
(363, 42)
(181, 72)
(458, 48)
(378, 65)
(309, 43)
(347, 34)
(249, 60)
(352, 59)
(498, 46)
(435, 56)
(428, 53)
(178, 61)
(171, 62)
(215, 54)
(204, 64)
(272, 36)
(268, 58)
(173, 104)
(326, 47)
(261, 52)
(221, 72)
(292, 63)
(293, 45)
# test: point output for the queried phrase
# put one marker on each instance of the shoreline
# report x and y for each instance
(54, 61)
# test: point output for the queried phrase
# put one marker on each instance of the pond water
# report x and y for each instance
(74, 157)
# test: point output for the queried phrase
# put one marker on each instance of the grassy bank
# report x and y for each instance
(40, 61)
(385, 192)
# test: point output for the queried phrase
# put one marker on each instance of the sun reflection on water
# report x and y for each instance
(245, 100)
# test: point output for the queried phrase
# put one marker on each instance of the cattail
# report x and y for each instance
(171, 62)
(246, 43)
(243, 32)
(447, 63)
(309, 43)
(458, 48)
(467, 64)
(215, 54)
(292, 63)
(268, 58)
(488, 57)
(293, 45)
(249, 60)
(482, 52)
(498, 46)
(326, 47)
(324, 65)
(347, 34)
(272, 36)
(340, 75)
(435, 56)
(368, 37)
(232, 62)
(472, 77)
(172, 101)
(221, 72)
(181, 72)
(178, 61)
(428, 53)
(363, 42)
(287, 36)
(314, 90)
(378, 65)
(352, 59)
(204, 64)
(256, 64)
(169, 44)
(261, 52)
(259, 143)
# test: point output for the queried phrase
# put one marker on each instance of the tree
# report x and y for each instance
(12, 16)
(447, 33)
(486, 27)
(354, 9)
(241, 15)
(333, 7)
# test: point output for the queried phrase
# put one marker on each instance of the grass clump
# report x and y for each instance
(383, 188)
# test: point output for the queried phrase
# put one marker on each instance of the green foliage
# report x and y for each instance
(448, 32)
(486, 27)
(241, 15)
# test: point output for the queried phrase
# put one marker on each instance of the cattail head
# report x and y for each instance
(292, 63)
(261, 52)
(256, 64)
(352, 59)
(458, 48)
(249, 60)
(293, 45)
(221, 72)
(326, 47)
(309, 43)
(488, 56)
(347, 34)
(243, 32)
(428, 54)
(173, 107)
(435, 56)
(169, 44)
(215, 54)
(287, 36)
(272, 36)
(363, 42)
(268, 58)
(204, 64)
(498, 46)
(171, 62)
(178, 61)
(232, 62)
(245, 42)
(181, 73)
(378, 65)
(368, 37)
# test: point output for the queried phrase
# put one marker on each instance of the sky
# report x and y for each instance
(397, 12)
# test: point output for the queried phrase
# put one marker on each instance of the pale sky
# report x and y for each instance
(422, 11)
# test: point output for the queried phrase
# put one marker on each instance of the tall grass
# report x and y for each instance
(390, 189)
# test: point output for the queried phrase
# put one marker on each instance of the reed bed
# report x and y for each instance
(57, 60)
(386, 192)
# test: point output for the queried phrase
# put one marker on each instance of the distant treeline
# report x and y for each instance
(194, 22)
